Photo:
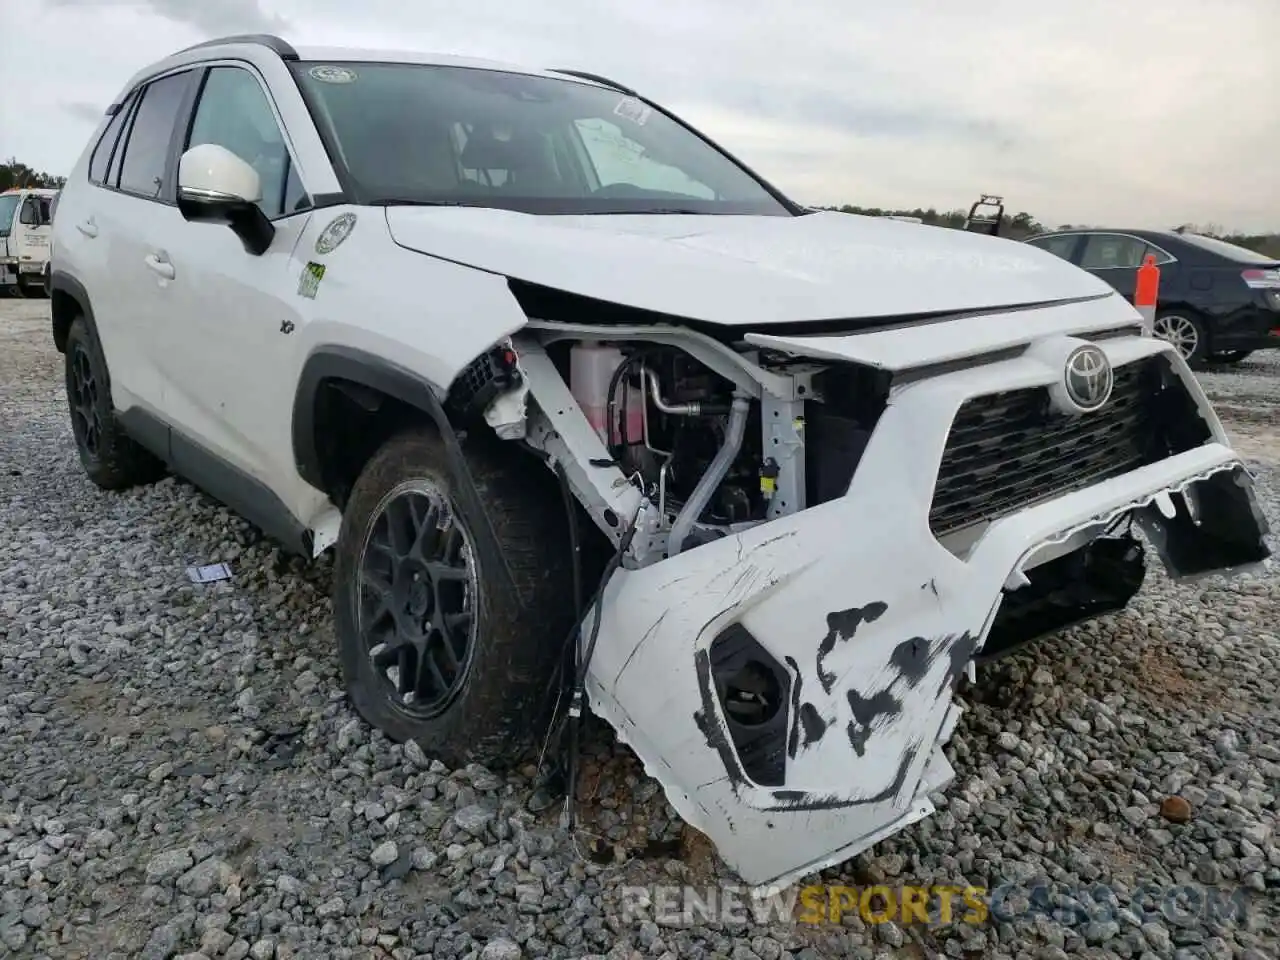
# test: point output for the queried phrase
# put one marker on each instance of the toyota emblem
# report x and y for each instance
(1088, 378)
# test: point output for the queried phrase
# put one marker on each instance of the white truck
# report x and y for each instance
(26, 224)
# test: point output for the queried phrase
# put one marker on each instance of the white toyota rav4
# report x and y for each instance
(593, 414)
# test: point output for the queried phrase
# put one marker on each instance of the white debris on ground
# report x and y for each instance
(181, 776)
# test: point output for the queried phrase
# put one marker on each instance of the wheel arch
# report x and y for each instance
(369, 381)
(68, 299)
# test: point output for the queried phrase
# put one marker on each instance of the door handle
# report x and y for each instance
(88, 228)
(159, 265)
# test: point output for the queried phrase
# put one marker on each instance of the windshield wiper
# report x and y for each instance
(688, 211)
(401, 202)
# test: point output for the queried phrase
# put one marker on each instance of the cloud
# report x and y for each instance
(1087, 111)
(83, 111)
(211, 17)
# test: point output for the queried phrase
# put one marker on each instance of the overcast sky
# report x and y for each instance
(1094, 111)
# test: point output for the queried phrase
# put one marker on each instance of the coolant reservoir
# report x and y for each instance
(591, 367)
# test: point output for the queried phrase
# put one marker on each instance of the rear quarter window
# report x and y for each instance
(101, 159)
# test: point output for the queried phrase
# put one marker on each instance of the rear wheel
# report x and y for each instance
(434, 643)
(1186, 332)
(110, 458)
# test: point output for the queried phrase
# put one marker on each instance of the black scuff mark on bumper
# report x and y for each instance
(866, 711)
(795, 801)
(841, 626)
(814, 726)
(705, 720)
(636, 649)
(793, 738)
(960, 648)
(912, 659)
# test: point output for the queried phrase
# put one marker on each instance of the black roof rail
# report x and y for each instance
(595, 78)
(277, 46)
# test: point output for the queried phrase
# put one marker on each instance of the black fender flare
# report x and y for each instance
(62, 282)
(389, 378)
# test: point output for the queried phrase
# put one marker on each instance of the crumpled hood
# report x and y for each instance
(748, 271)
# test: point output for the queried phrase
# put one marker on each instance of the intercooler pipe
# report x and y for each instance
(706, 487)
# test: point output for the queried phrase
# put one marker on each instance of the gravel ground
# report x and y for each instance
(180, 773)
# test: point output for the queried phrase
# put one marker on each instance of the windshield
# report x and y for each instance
(1228, 250)
(412, 133)
(8, 206)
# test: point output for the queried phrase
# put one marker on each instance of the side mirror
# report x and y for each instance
(216, 186)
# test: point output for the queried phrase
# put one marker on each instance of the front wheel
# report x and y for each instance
(436, 644)
(1186, 332)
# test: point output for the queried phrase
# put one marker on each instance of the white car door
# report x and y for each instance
(116, 226)
(225, 338)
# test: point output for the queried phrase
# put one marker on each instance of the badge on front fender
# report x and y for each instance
(338, 230)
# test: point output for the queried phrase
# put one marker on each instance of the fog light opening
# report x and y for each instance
(752, 696)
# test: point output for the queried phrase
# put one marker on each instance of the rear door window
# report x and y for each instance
(146, 153)
(1112, 251)
(1061, 246)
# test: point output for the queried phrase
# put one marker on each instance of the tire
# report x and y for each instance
(1232, 356)
(501, 669)
(110, 458)
(1187, 332)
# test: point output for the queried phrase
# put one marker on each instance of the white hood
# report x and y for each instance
(748, 271)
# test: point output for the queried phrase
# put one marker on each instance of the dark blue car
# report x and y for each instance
(1218, 302)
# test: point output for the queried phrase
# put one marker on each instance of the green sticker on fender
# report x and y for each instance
(309, 282)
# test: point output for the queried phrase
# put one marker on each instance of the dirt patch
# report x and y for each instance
(99, 709)
(1161, 677)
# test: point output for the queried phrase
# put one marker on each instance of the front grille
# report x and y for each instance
(1009, 450)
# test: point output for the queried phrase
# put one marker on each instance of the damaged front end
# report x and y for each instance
(820, 535)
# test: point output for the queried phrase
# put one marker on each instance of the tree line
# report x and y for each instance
(1021, 225)
(16, 175)
(1017, 226)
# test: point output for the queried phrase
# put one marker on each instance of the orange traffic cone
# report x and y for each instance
(1145, 294)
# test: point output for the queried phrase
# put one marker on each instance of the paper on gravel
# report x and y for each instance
(209, 573)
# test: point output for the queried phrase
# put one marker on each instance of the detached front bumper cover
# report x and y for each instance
(859, 623)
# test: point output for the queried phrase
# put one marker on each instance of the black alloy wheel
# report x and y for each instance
(416, 610)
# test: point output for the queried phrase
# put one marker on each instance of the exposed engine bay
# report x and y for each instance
(710, 457)
(665, 420)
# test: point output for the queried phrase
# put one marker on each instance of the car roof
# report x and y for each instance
(258, 46)
(1142, 232)
(424, 58)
